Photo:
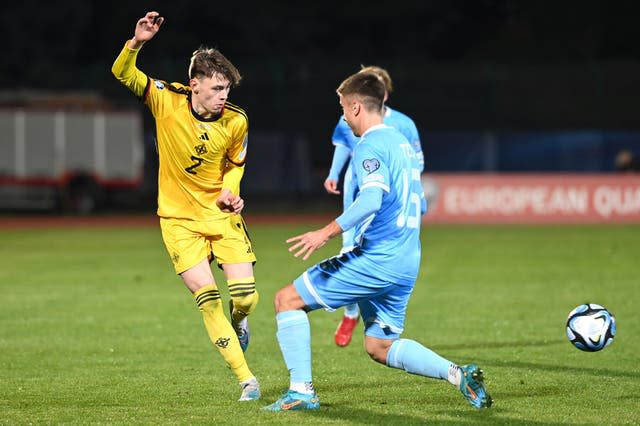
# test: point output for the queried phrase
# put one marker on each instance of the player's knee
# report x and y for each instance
(377, 355)
(288, 299)
(246, 302)
(376, 350)
(279, 300)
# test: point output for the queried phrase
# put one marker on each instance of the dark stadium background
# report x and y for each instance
(546, 85)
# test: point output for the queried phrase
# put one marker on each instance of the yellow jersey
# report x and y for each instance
(197, 156)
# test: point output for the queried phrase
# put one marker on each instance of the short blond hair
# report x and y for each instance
(382, 75)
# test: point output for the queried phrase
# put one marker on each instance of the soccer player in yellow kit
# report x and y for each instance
(202, 144)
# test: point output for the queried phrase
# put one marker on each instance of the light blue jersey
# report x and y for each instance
(343, 136)
(379, 273)
(383, 158)
(407, 127)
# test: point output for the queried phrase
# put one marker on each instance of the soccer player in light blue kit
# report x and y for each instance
(380, 272)
(345, 141)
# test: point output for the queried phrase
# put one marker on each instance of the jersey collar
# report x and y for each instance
(198, 116)
(374, 128)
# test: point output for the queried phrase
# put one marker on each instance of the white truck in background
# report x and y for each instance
(68, 160)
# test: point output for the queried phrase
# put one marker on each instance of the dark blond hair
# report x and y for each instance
(206, 62)
(382, 75)
(366, 87)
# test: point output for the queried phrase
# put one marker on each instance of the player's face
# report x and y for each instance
(209, 94)
(349, 109)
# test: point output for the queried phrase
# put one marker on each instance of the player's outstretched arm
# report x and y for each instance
(124, 67)
(309, 242)
(146, 29)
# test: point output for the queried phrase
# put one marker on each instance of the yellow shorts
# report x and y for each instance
(188, 242)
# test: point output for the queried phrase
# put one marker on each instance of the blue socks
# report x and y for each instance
(352, 311)
(294, 337)
(412, 357)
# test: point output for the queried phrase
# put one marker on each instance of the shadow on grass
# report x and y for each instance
(502, 345)
(576, 370)
(564, 368)
(349, 415)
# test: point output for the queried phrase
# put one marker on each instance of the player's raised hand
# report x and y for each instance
(229, 203)
(146, 28)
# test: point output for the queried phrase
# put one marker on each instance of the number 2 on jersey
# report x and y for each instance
(197, 162)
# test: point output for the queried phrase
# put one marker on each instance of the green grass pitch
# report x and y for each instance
(95, 328)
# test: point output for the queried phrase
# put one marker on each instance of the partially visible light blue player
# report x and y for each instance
(345, 141)
(380, 272)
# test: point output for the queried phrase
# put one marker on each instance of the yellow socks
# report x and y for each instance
(221, 332)
(245, 297)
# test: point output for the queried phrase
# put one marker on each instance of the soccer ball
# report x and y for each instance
(591, 327)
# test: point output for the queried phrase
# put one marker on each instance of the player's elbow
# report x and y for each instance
(117, 73)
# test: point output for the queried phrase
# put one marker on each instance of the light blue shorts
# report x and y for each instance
(346, 279)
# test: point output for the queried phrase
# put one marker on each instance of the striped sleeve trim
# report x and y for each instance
(236, 108)
(375, 184)
(147, 89)
(177, 88)
(238, 164)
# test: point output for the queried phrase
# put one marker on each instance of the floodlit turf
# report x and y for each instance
(96, 329)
